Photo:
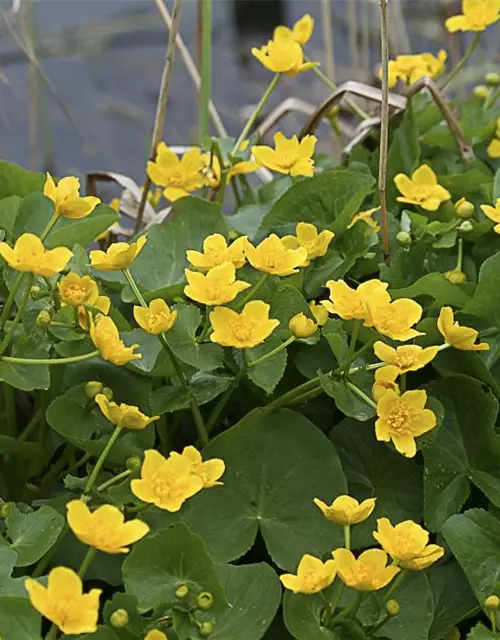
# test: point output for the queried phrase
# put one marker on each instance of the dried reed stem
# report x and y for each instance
(384, 128)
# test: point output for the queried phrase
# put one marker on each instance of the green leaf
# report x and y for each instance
(453, 598)
(15, 181)
(205, 387)
(286, 301)
(159, 564)
(346, 400)
(376, 471)
(485, 302)
(496, 186)
(26, 377)
(248, 219)
(11, 445)
(18, 619)
(182, 340)
(35, 211)
(9, 208)
(102, 633)
(466, 184)
(129, 604)
(69, 232)
(436, 286)
(11, 587)
(33, 534)
(474, 539)
(267, 374)
(328, 200)
(190, 222)
(276, 463)
(149, 347)
(466, 449)
(302, 614)
(480, 632)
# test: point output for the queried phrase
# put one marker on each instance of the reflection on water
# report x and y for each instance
(104, 59)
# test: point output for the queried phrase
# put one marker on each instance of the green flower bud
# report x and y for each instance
(492, 78)
(482, 92)
(392, 607)
(204, 600)
(5, 509)
(434, 227)
(108, 393)
(43, 319)
(466, 226)
(92, 388)
(35, 292)
(404, 238)
(456, 276)
(133, 463)
(119, 618)
(452, 634)
(464, 208)
(182, 591)
(492, 602)
(206, 628)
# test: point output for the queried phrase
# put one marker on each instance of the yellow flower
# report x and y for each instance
(301, 32)
(282, 54)
(396, 319)
(123, 415)
(105, 528)
(494, 147)
(63, 602)
(242, 330)
(493, 213)
(366, 217)
(385, 378)
(209, 471)
(289, 155)
(476, 16)
(406, 358)
(216, 251)
(356, 304)
(104, 334)
(410, 68)
(319, 312)
(75, 290)
(402, 419)
(313, 575)
(179, 177)
(157, 318)
(66, 198)
(367, 573)
(102, 304)
(218, 286)
(422, 189)
(30, 255)
(301, 326)
(166, 483)
(407, 544)
(119, 256)
(462, 338)
(316, 244)
(273, 257)
(345, 510)
(155, 634)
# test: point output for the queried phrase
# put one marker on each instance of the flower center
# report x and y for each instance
(177, 179)
(287, 161)
(77, 293)
(399, 420)
(405, 359)
(243, 329)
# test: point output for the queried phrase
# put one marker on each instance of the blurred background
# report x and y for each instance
(79, 78)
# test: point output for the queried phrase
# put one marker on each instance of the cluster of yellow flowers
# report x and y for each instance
(406, 543)
(410, 68)
(165, 482)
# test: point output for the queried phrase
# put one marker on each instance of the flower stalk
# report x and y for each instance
(384, 128)
(206, 70)
(468, 55)
(100, 461)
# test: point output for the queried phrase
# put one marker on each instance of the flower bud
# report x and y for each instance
(392, 607)
(204, 600)
(464, 208)
(35, 292)
(5, 509)
(119, 618)
(452, 634)
(434, 227)
(492, 78)
(182, 591)
(301, 326)
(492, 602)
(92, 388)
(466, 226)
(404, 238)
(481, 91)
(456, 276)
(319, 312)
(133, 463)
(43, 319)
(108, 393)
(206, 628)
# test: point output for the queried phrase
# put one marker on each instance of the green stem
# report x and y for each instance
(20, 310)
(255, 114)
(252, 291)
(135, 288)
(380, 624)
(360, 394)
(206, 327)
(11, 299)
(490, 102)
(463, 61)
(224, 399)
(402, 383)
(114, 480)
(50, 225)
(272, 353)
(49, 361)
(295, 393)
(350, 612)
(396, 584)
(206, 70)
(308, 395)
(352, 346)
(328, 608)
(28, 429)
(101, 460)
(337, 596)
(460, 257)
(493, 622)
(87, 561)
(347, 536)
(52, 634)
